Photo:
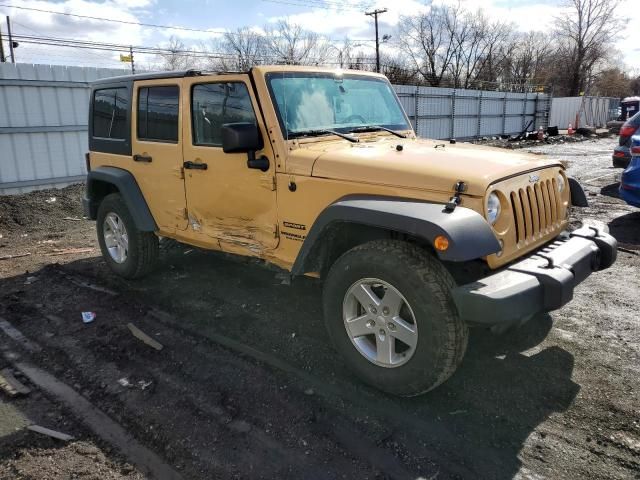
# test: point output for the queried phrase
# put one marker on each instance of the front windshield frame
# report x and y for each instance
(287, 134)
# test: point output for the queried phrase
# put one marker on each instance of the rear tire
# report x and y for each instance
(425, 338)
(128, 251)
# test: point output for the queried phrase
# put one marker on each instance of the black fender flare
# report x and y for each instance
(470, 236)
(578, 197)
(128, 188)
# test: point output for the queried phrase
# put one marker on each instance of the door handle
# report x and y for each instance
(142, 158)
(189, 165)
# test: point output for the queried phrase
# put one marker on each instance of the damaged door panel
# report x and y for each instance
(226, 200)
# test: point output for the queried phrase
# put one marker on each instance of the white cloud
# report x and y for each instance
(336, 23)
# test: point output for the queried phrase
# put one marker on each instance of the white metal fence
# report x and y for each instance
(43, 124)
(457, 113)
(43, 119)
(592, 111)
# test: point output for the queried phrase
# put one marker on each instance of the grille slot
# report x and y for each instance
(536, 210)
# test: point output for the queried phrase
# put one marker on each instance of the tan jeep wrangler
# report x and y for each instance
(320, 173)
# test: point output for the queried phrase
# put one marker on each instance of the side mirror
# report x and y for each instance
(244, 137)
(241, 137)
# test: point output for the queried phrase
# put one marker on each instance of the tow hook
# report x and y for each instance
(455, 200)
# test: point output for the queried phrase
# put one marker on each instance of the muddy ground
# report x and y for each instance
(247, 385)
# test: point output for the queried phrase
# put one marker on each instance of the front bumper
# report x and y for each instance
(542, 282)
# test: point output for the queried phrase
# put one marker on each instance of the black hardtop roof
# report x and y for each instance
(155, 76)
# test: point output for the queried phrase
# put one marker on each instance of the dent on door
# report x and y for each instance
(228, 201)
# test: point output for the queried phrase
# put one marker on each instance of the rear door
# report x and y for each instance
(157, 150)
(226, 199)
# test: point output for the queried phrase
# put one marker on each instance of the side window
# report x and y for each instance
(158, 113)
(110, 113)
(213, 105)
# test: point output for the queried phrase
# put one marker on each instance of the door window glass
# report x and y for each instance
(213, 105)
(110, 113)
(158, 109)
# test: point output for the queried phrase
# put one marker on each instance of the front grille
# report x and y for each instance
(537, 209)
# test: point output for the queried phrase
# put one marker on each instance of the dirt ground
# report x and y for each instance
(247, 385)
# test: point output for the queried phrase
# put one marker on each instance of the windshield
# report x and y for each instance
(317, 102)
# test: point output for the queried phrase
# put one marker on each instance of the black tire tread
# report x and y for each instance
(432, 273)
(145, 244)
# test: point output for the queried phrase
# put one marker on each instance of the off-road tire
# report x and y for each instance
(426, 285)
(142, 253)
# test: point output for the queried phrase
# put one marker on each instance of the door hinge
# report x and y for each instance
(273, 183)
(181, 174)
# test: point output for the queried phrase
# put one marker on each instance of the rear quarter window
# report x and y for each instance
(635, 120)
(110, 106)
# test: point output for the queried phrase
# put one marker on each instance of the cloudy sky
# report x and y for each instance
(335, 19)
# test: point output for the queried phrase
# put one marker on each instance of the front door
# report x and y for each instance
(157, 150)
(227, 200)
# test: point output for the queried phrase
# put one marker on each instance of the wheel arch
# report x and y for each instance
(103, 181)
(354, 220)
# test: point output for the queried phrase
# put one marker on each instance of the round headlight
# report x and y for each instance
(493, 208)
(561, 183)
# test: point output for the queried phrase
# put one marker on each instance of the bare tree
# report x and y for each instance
(528, 58)
(289, 43)
(242, 49)
(427, 41)
(177, 57)
(585, 36)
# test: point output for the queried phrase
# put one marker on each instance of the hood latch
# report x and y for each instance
(455, 200)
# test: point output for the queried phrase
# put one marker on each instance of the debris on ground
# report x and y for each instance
(50, 433)
(17, 255)
(88, 317)
(11, 385)
(531, 140)
(51, 200)
(69, 251)
(124, 382)
(140, 335)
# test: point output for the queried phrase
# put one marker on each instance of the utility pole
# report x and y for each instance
(2, 58)
(133, 67)
(13, 57)
(375, 14)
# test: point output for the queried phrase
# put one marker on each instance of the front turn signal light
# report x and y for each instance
(441, 243)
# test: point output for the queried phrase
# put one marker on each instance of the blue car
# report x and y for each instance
(630, 181)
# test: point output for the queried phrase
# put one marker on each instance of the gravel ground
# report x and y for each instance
(247, 385)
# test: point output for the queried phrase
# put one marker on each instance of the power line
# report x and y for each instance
(90, 45)
(141, 24)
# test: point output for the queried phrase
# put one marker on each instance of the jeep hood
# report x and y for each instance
(419, 164)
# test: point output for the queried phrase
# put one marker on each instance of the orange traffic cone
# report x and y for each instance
(570, 130)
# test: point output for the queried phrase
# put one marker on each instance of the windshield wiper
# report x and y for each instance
(375, 128)
(314, 133)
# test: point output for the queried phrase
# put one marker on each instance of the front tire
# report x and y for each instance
(389, 312)
(128, 251)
